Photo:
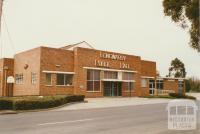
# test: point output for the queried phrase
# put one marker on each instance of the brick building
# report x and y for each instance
(81, 69)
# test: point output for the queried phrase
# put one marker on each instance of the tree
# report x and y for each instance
(182, 11)
(193, 84)
(177, 69)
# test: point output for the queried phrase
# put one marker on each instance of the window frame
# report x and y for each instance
(113, 74)
(93, 80)
(51, 83)
(158, 84)
(146, 83)
(128, 76)
(19, 79)
(33, 78)
(130, 88)
(64, 80)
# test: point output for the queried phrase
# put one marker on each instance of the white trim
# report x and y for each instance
(58, 72)
(117, 80)
(147, 77)
(106, 69)
(159, 79)
(94, 91)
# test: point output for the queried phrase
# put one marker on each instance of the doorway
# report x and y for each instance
(151, 87)
(112, 89)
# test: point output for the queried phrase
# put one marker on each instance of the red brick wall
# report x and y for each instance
(32, 59)
(50, 57)
(8, 62)
(148, 68)
(86, 58)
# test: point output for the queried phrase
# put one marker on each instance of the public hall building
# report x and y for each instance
(81, 69)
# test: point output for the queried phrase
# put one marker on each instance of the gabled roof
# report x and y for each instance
(83, 44)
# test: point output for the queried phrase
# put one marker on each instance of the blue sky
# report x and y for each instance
(135, 27)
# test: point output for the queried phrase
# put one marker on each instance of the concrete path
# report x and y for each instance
(113, 102)
(197, 95)
(118, 102)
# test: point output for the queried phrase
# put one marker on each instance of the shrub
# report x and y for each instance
(6, 104)
(176, 95)
(30, 103)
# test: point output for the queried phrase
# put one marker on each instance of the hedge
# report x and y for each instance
(31, 103)
(176, 95)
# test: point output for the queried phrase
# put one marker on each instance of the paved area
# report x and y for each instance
(113, 102)
(140, 119)
(197, 95)
(117, 102)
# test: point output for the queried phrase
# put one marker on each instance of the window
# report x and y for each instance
(127, 76)
(93, 80)
(33, 78)
(144, 82)
(180, 84)
(110, 75)
(19, 78)
(64, 79)
(159, 84)
(48, 79)
(129, 86)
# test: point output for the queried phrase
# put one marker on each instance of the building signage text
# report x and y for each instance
(112, 56)
(99, 63)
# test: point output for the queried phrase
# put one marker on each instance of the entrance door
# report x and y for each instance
(151, 87)
(112, 89)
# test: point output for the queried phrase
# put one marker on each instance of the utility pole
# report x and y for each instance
(1, 9)
(1, 5)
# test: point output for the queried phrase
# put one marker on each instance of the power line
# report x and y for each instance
(9, 35)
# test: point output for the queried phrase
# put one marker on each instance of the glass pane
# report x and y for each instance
(110, 75)
(90, 74)
(60, 79)
(68, 79)
(89, 85)
(96, 85)
(96, 75)
(125, 85)
(48, 79)
(144, 83)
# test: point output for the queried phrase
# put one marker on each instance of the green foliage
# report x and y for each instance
(193, 85)
(182, 11)
(177, 69)
(36, 102)
(181, 96)
(159, 96)
(6, 104)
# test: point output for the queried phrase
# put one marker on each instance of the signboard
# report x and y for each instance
(10, 79)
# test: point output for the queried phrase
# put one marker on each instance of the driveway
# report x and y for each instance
(113, 102)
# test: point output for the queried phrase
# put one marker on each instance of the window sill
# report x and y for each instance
(48, 85)
(93, 91)
(127, 91)
(64, 85)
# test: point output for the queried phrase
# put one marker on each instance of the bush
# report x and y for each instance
(6, 104)
(176, 95)
(30, 103)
